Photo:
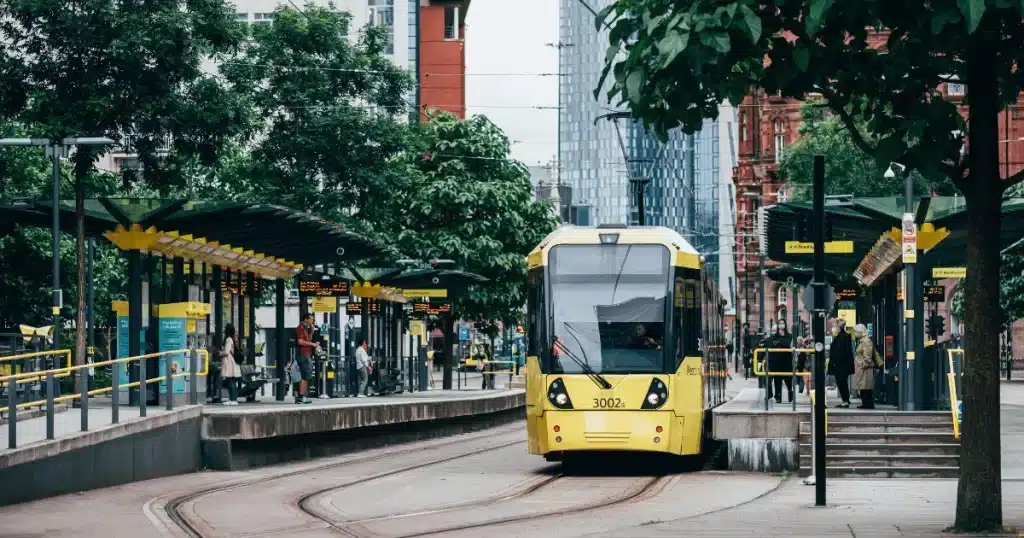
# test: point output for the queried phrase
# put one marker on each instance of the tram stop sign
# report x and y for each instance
(830, 298)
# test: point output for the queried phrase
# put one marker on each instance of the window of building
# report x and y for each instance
(263, 18)
(780, 140)
(451, 22)
(382, 13)
(244, 17)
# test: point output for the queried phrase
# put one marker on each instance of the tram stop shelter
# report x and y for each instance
(864, 245)
(195, 247)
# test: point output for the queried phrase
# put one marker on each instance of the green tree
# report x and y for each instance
(474, 205)
(848, 170)
(103, 68)
(673, 62)
(331, 143)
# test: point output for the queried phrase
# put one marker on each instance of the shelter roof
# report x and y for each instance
(865, 222)
(262, 238)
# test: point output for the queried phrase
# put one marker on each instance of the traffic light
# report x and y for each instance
(942, 325)
(929, 325)
(936, 326)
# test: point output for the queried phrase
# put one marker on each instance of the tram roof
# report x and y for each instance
(627, 234)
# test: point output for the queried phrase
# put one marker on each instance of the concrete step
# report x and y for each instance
(941, 436)
(836, 415)
(888, 472)
(518, 382)
(881, 427)
(900, 461)
(872, 449)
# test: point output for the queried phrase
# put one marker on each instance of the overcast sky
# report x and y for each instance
(508, 39)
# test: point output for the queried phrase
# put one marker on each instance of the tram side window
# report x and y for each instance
(535, 307)
(688, 318)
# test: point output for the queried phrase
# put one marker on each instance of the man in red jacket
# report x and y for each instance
(305, 347)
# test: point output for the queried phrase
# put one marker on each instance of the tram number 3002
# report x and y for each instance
(608, 403)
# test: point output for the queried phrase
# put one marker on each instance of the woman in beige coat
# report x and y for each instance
(864, 367)
(229, 369)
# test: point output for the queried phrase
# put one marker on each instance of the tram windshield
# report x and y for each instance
(608, 307)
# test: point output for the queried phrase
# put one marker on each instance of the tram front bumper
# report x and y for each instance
(653, 431)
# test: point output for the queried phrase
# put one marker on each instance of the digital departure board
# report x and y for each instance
(355, 308)
(934, 294)
(845, 294)
(323, 288)
(431, 309)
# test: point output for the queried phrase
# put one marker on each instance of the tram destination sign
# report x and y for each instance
(845, 294)
(331, 287)
(934, 294)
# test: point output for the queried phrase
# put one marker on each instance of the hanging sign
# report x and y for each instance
(845, 294)
(432, 293)
(330, 287)
(356, 307)
(431, 309)
(909, 239)
(949, 272)
(324, 305)
(934, 294)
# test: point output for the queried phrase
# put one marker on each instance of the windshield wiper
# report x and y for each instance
(585, 363)
(618, 276)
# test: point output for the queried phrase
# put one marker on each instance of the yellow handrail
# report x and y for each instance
(759, 364)
(20, 378)
(66, 371)
(951, 381)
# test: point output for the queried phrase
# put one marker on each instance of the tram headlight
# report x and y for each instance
(558, 395)
(657, 395)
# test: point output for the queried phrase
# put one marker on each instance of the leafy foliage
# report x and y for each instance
(848, 170)
(883, 62)
(330, 141)
(474, 205)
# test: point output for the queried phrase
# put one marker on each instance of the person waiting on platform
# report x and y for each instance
(866, 360)
(304, 357)
(364, 368)
(840, 361)
(229, 369)
(780, 361)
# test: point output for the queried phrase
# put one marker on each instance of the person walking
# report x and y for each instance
(229, 370)
(840, 361)
(304, 349)
(364, 368)
(866, 360)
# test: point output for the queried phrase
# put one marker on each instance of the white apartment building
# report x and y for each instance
(399, 16)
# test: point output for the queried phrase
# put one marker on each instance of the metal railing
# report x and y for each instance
(27, 358)
(763, 369)
(953, 377)
(488, 370)
(12, 381)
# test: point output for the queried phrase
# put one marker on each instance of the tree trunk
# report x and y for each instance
(83, 162)
(979, 506)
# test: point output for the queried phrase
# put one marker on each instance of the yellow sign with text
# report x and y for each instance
(849, 316)
(949, 272)
(432, 293)
(325, 305)
(831, 247)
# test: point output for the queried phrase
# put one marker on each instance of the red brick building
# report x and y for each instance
(767, 126)
(442, 50)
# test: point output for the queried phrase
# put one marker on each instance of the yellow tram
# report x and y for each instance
(626, 348)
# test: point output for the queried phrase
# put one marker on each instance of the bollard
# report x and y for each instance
(49, 404)
(143, 394)
(115, 391)
(809, 481)
(169, 382)
(193, 388)
(767, 380)
(12, 410)
(85, 399)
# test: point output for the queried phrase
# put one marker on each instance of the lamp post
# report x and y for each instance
(56, 149)
(911, 292)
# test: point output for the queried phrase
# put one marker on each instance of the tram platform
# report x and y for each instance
(191, 438)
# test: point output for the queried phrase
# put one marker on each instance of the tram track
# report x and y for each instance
(638, 491)
(195, 530)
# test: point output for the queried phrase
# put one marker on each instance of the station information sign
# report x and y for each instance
(323, 288)
(432, 309)
(355, 308)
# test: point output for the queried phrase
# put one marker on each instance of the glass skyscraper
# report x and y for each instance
(686, 175)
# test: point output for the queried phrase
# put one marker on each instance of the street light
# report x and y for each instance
(56, 150)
